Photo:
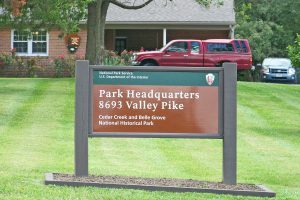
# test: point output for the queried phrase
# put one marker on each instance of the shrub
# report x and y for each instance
(21, 65)
(7, 59)
(59, 65)
(113, 59)
(126, 56)
(65, 65)
(294, 52)
(62, 65)
(30, 66)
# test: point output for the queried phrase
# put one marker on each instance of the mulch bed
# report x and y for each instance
(160, 182)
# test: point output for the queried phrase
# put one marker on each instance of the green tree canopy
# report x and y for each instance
(294, 52)
(270, 25)
(66, 15)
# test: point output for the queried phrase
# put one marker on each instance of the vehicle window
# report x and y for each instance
(237, 46)
(178, 47)
(217, 47)
(244, 46)
(277, 62)
(195, 47)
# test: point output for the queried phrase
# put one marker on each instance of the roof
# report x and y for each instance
(175, 11)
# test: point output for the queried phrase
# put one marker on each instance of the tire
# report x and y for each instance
(148, 64)
(219, 64)
(295, 81)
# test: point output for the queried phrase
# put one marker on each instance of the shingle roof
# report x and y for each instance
(185, 11)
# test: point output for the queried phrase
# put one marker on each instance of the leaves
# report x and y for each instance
(67, 14)
(294, 52)
(63, 14)
(207, 3)
(269, 25)
(35, 14)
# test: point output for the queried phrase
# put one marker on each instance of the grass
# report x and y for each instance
(36, 137)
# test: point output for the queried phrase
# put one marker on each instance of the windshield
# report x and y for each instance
(284, 62)
(164, 47)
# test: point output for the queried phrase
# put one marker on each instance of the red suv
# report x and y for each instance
(198, 53)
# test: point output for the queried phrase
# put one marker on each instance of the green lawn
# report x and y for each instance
(36, 137)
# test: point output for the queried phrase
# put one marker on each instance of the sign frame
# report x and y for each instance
(227, 114)
(219, 135)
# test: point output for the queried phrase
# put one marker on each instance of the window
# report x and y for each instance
(121, 44)
(237, 45)
(217, 47)
(195, 47)
(180, 47)
(39, 42)
(20, 41)
(29, 43)
(244, 46)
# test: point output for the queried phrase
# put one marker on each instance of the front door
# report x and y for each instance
(195, 58)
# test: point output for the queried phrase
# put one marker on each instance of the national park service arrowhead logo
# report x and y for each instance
(210, 78)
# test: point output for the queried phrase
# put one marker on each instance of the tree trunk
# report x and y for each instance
(97, 11)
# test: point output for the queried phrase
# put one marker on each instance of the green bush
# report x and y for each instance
(62, 65)
(59, 65)
(7, 59)
(111, 58)
(30, 66)
(65, 66)
(294, 52)
(27, 65)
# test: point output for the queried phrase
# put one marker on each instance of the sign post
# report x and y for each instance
(230, 126)
(81, 118)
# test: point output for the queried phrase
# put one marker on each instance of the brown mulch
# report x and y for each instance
(159, 182)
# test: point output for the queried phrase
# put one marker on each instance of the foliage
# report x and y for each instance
(65, 65)
(31, 67)
(62, 65)
(46, 14)
(66, 15)
(113, 59)
(267, 39)
(59, 66)
(207, 3)
(294, 52)
(270, 26)
(7, 59)
(27, 65)
(126, 57)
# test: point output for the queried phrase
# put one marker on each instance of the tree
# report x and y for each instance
(294, 52)
(66, 14)
(269, 25)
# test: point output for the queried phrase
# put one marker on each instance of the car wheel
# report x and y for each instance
(149, 64)
(219, 64)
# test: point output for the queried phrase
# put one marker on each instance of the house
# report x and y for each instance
(150, 27)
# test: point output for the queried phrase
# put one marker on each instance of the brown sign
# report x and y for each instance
(128, 102)
(156, 102)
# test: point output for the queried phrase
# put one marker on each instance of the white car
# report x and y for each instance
(278, 69)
